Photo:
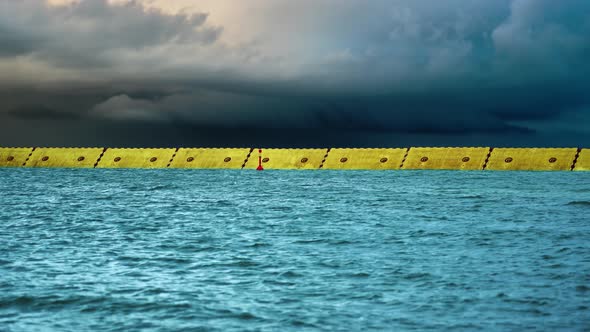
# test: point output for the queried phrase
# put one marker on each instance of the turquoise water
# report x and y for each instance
(111, 250)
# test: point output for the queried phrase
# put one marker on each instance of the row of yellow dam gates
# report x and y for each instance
(477, 158)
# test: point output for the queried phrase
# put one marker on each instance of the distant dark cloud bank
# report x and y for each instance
(319, 73)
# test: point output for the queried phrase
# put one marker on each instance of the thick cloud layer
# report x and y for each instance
(384, 72)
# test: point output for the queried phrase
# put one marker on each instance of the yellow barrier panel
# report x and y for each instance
(64, 157)
(583, 162)
(288, 158)
(210, 158)
(532, 159)
(14, 157)
(136, 158)
(369, 159)
(446, 158)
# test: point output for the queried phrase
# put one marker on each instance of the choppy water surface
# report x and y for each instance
(240, 250)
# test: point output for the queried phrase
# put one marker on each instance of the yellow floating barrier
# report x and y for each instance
(14, 157)
(136, 158)
(446, 158)
(532, 159)
(211, 158)
(475, 158)
(583, 162)
(64, 157)
(368, 159)
(288, 158)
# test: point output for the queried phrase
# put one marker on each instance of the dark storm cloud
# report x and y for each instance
(40, 113)
(89, 33)
(446, 68)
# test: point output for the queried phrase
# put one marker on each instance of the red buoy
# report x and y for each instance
(260, 168)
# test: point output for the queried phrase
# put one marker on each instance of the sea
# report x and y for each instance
(231, 250)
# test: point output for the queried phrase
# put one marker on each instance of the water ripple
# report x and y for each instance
(111, 250)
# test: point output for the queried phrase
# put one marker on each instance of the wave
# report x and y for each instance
(579, 203)
(157, 187)
(471, 197)
(49, 302)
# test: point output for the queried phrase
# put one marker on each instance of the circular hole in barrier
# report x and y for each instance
(424, 159)
(10, 158)
(508, 160)
(190, 159)
(45, 158)
(118, 159)
(227, 159)
(383, 160)
(81, 158)
(265, 160)
(153, 159)
(343, 160)
(552, 160)
(304, 160)
(465, 159)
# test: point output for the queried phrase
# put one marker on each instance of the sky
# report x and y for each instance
(305, 73)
